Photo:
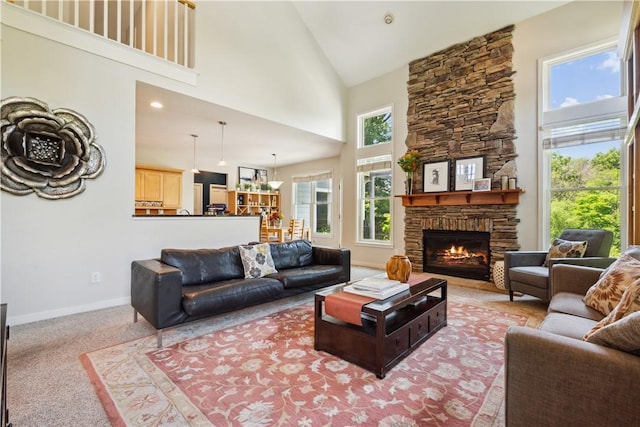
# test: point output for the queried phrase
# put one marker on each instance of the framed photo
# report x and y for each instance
(435, 177)
(252, 176)
(467, 171)
(483, 184)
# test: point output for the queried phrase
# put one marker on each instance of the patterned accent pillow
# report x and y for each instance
(623, 334)
(257, 260)
(621, 328)
(565, 249)
(605, 294)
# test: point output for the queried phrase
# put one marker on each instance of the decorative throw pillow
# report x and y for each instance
(565, 249)
(605, 294)
(623, 334)
(257, 260)
(629, 304)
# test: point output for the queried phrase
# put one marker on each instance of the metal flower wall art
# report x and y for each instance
(47, 152)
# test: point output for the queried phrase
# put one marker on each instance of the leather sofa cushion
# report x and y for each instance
(305, 276)
(567, 325)
(205, 265)
(568, 303)
(298, 253)
(220, 297)
(534, 275)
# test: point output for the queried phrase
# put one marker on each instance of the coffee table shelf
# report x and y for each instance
(391, 329)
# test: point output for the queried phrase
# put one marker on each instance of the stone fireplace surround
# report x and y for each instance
(461, 105)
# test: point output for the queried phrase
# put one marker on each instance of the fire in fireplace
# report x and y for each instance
(456, 253)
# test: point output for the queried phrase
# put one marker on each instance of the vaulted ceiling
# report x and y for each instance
(360, 45)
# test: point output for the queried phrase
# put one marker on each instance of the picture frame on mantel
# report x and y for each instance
(435, 177)
(466, 171)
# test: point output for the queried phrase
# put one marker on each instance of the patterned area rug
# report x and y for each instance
(265, 372)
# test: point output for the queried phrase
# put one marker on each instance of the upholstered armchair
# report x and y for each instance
(526, 272)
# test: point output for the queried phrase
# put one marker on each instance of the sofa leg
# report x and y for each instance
(159, 338)
(135, 316)
(510, 295)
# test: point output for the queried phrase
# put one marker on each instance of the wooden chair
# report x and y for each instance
(296, 229)
(265, 236)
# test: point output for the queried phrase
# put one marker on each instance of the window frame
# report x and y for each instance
(378, 164)
(313, 179)
(588, 112)
(360, 130)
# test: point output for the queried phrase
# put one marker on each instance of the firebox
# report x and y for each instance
(456, 253)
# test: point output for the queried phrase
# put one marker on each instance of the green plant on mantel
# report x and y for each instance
(409, 161)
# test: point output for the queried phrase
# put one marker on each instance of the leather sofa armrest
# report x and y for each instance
(571, 278)
(551, 380)
(333, 256)
(156, 292)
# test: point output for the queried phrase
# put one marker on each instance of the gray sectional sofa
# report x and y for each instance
(554, 378)
(189, 284)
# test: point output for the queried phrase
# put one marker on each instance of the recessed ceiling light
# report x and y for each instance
(156, 104)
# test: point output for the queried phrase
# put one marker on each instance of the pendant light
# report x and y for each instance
(275, 184)
(222, 162)
(194, 170)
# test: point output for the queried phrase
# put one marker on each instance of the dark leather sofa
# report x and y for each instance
(190, 284)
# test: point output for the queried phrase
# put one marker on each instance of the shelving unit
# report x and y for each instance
(493, 197)
(253, 203)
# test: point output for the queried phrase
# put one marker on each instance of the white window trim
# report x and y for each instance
(360, 127)
(376, 164)
(593, 111)
(312, 177)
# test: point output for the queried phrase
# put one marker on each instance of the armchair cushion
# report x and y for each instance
(533, 275)
(605, 294)
(561, 248)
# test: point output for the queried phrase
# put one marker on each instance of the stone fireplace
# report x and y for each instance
(460, 106)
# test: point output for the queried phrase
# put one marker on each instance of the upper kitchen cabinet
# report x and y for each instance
(158, 190)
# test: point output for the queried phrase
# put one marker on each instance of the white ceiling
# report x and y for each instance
(358, 44)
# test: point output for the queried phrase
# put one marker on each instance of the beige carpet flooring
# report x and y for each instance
(47, 385)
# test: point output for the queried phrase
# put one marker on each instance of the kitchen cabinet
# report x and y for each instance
(158, 190)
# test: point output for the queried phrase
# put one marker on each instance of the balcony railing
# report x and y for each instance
(163, 28)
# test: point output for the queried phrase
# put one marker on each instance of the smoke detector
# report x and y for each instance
(388, 18)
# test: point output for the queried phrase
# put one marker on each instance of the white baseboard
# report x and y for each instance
(50, 314)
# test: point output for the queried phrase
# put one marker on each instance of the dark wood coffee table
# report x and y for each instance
(391, 328)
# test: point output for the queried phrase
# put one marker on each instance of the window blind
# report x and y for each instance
(585, 132)
(311, 178)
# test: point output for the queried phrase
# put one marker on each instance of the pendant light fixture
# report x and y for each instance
(275, 184)
(194, 170)
(222, 162)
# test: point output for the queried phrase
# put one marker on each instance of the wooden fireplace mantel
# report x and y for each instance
(493, 197)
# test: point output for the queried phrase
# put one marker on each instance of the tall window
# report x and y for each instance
(583, 120)
(312, 201)
(375, 128)
(374, 199)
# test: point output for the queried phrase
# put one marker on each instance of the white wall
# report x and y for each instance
(569, 27)
(50, 248)
(390, 89)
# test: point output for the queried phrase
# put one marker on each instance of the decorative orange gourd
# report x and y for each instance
(399, 268)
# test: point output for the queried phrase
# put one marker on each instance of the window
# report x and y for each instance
(312, 198)
(374, 199)
(583, 122)
(375, 128)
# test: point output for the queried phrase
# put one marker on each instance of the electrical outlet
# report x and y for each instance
(95, 277)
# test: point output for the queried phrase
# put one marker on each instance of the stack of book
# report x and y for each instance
(376, 287)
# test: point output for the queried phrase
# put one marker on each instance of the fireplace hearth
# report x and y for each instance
(457, 253)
